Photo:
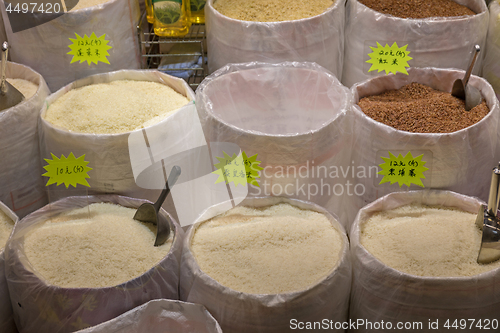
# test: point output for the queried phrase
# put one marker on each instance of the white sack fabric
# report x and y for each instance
(491, 65)
(381, 293)
(22, 186)
(107, 154)
(460, 161)
(45, 47)
(317, 39)
(44, 308)
(432, 42)
(159, 316)
(243, 312)
(294, 116)
(6, 316)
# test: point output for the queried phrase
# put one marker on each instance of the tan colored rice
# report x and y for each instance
(27, 88)
(267, 251)
(6, 226)
(425, 241)
(98, 246)
(271, 10)
(116, 107)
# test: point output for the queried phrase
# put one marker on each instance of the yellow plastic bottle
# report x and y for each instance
(171, 17)
(149, 11)
(198, 11)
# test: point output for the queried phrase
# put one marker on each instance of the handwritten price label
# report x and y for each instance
(405, 170)
(90, 49)
(70, 170)
(391, 59)
(239, 169)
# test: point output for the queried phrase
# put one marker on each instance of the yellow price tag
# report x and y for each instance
(70, 170)
(405, 170)
(391, 59)
(90, 49)
(239, 169)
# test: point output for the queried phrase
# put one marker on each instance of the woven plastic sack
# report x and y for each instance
(432, 42)
(244, 313)
(41, 307)
(107, 154)
(22, 186)
(45, 47)
(491, 66)
(317, 39)
(294, 116)
(381, 293)
(159, 316)
(6, 316)
(460, 161)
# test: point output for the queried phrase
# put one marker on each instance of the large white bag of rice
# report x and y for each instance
(42, 307)
(159, 316)
(45, 47)
(432, 42)
(317, 39)
(491, 66)
(6, 316)
(383, 298)
(460, 161)
(246, 312)
(107, 154)
(22, 185)
(294, 117)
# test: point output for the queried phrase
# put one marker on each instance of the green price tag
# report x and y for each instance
(90, 49)
(70, 170)
(239, 169)
(405, 170)
(391, 59)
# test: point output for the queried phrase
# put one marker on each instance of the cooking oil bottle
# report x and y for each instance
(171, 17)
(198, 11)
(149, 11)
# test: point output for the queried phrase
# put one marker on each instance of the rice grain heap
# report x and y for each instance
(97, 246)
(425, 241)
(115, 107)
(273, 250)
(418, 9)
(271, 10)
(419, 108)
(6, 226)
(27, 88)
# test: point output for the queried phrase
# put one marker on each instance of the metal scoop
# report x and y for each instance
(148, 212)
(487, 220)
(461, 89)
(9, 96)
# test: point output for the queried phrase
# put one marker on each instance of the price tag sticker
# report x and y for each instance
(70, 170)
(391, 59)
(239, 169)
(405, 170)
(90, 49)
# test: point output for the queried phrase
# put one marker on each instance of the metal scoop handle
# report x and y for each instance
(172, 178)
(476, 50)
(163, 229)
(489, 223)
(5, 50)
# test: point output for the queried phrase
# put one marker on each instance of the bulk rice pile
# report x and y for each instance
(418, 9)
(88, 3)
(425, 241)
(271, 10)
(6, 226)
(97, 246)
(418, 108)
(25, 87)
(273, 250)
(116, 107)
